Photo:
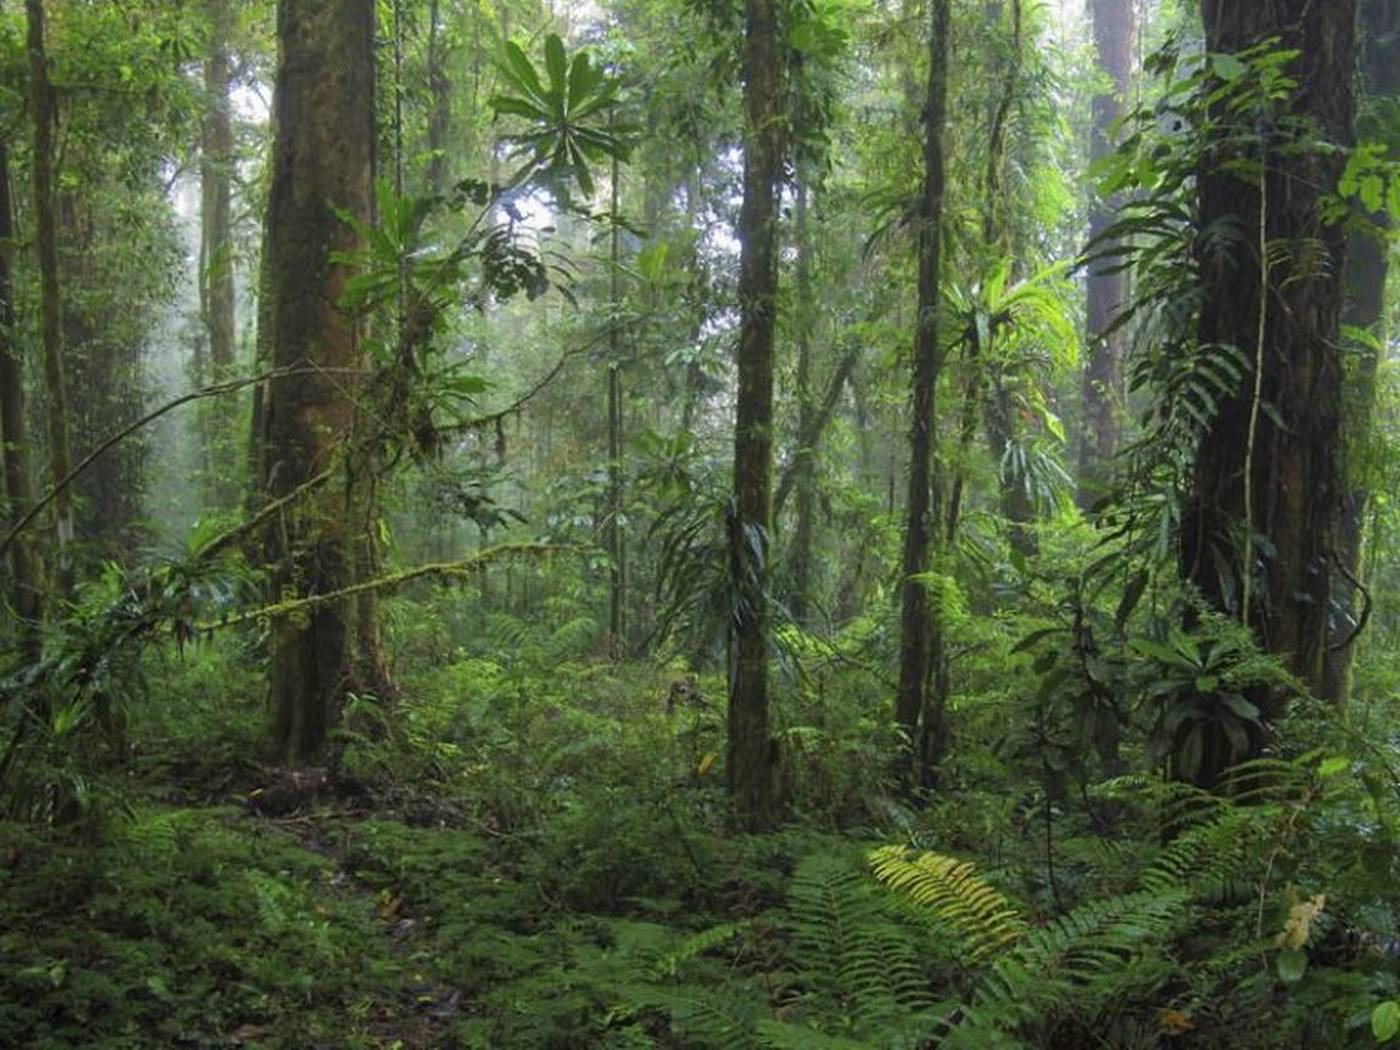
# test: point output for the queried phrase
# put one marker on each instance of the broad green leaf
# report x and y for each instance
(1291, 965)
(1385, 1021)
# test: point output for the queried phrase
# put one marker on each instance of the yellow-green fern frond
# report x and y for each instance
(952, 893)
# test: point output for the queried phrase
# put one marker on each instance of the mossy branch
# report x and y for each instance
(463, 568)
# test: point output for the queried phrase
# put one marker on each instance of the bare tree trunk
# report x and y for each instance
(613, 533)
(323, 158)
(1366, 273)
(752, 752)
(25, 591)
(46, 242)
(1105, 290)
(917, 713)
(1274, 474)
(805, 463)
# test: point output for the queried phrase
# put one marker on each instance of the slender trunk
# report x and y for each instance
(1366, 273)
(46, 242)
(323, 159)
(916, 712)
(440, 114)
(216, 182)
(805, 463)
(25, 591)
(752, 752)
(1105, 290)
(1274, 474)
(613, 533)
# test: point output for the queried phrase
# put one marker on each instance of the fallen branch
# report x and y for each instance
(465, 567)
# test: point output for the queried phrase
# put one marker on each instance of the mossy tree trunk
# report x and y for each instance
(323, 159)
(752, 753)
(45, 116)
(918, 711)
(1266, 487)
(24, 588)
(1366, 272)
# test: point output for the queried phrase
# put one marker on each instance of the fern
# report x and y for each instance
(859, 971)
(950, 892)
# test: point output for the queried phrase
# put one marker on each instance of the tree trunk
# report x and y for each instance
(216, 182)
(440, 114)
(25, 591)
(805, 464)
(613, 533)
(46, 242)
(323, 159)
(917, 713)
(1366, 273)
(752, 753)
(1105, 290)
(1274, 474)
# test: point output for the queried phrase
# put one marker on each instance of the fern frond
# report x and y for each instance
(952, 893)
(697, 944)
(1074, 962)
(857, 968)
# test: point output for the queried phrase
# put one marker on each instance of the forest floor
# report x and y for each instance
(488, 868)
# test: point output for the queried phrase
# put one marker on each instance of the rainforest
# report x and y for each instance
(679, 524)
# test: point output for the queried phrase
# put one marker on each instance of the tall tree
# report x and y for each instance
(917, 711)
(1366, 272)
(216, 191)
(752, 754)
(323, 160)
(1105, 287)
(25, 590)
(805, 462)
(1269, 465)
(45, 113)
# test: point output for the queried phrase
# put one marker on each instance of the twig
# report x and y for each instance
(520, 402)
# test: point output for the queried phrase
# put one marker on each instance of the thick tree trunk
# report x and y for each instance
(918, 713)
(1366, 273)
(323, 158)
(24, 590)
(1105, 290)
(752, 753)
(46, 242)
(1274, 473)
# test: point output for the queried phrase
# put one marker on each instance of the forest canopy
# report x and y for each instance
(659, 523)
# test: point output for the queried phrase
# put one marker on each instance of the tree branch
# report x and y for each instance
(465, 567)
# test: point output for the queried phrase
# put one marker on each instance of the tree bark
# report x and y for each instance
(753, 755)
(1291, 452)
(25, 591)
(1367, 269)
(46, 243)
(917, 712)
(1104, 290)
(323, 158)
